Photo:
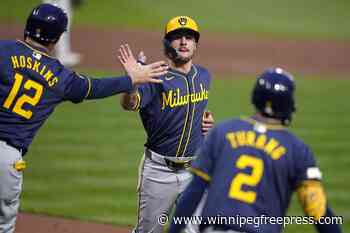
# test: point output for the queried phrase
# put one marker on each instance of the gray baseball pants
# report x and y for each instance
(158, 189)
(10, 187)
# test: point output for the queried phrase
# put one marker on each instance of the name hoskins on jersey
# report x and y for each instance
(28, 63)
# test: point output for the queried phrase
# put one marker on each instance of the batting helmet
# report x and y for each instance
(175, 26)
(181, 24)
(46, 23)
(273, 95)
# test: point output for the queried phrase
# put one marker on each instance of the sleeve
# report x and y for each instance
(310, 191)
(305, 167)
(76, 87)
(104, 87)
(204, 163)
(146, 93)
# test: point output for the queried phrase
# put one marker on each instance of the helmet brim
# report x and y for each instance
(170, 35)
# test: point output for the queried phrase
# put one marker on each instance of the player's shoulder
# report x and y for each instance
(297, 141)
(6, 43)
(290, 139)
(230, 125)
(220, 130)
(6, 46)
(202, 70)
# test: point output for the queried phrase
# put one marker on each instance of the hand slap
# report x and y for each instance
(140, 73)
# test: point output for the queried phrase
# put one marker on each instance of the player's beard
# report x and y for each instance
(181, 60)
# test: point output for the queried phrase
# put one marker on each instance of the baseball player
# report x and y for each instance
(251, 166)
(174, 117)
(32, 84)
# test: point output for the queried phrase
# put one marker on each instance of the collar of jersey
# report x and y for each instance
(189, 74)
(42, 51)
(268, 126)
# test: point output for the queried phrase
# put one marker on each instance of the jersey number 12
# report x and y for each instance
(23, 99)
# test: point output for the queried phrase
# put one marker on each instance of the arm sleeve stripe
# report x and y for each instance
(89, 88)
(200, 173)
(137, 106)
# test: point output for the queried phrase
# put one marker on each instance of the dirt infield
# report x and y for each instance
(28, 223)
(221, 54)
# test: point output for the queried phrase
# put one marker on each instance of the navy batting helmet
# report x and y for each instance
(46, 23)
(273, 95)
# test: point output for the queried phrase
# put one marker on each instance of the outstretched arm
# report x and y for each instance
(81, 87)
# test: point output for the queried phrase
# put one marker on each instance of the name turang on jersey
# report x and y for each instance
(27, 62)
(271, 146)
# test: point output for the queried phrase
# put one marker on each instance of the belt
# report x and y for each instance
(171, 162)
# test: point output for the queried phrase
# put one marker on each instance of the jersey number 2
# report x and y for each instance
(32, 100)
(257, 166)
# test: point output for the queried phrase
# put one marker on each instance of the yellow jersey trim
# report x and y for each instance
(38, 51)
(193, 110)
(268, 126)
(89, 88)
(140, 174)
(200, 173)
(186, 118)
(138, 104)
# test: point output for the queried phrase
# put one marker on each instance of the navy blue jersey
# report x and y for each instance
(172, 111)
(31, 85)
(253, 170)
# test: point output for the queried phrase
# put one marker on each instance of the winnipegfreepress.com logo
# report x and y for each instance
(257, 221)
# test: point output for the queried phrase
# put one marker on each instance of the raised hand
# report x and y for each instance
(141, 73)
